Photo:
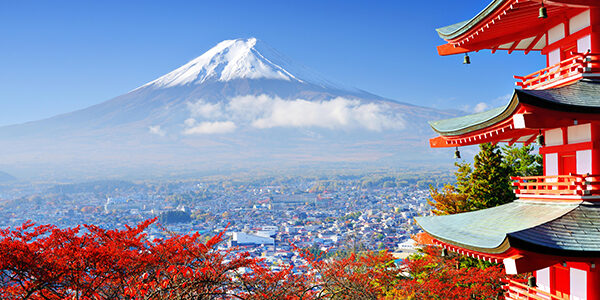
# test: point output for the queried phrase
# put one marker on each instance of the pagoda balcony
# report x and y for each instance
(560, 187)
(567, 71)
(519, 290)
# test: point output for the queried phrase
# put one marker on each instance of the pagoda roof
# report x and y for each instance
(565, 228)
(574, 232)
(579, 97)
(509, 25)
(473, 122)
(455, 30)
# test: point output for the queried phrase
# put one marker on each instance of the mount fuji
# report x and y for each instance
(240, 105)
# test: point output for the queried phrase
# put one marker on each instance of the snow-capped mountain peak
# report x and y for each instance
(230, 59)
(242, 59)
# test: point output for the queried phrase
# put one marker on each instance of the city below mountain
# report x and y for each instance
(240, 105)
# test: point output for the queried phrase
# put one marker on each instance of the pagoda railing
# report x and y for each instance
(573, 184)
(521, 291)
(561, 73)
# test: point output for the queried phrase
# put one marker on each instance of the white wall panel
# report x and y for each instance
(553, 137)
(584, 44)
(584, 161)
(551, 160)
(579, 22)
(543, 279)
(553, 57)
(579, 133)
(578, 282)
(556, 33)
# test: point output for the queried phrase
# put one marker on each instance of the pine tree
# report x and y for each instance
(490, 179)
(463, 177)
(522, 162)
(487, 183)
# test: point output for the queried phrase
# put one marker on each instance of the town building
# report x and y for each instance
(553, 228)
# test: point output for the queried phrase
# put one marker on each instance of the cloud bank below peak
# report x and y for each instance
(263, 112)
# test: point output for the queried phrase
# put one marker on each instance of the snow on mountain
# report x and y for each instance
(239, 59)
(240, 104)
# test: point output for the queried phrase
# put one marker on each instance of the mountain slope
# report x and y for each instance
(240, 104)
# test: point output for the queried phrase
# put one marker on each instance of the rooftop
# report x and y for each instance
(558, 228)
(580, 99)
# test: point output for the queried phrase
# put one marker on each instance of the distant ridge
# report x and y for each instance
(5, 177)
(239, 105)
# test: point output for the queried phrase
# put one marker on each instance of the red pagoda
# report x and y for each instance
(553, 228)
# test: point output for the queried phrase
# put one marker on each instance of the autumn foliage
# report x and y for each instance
(88, 262)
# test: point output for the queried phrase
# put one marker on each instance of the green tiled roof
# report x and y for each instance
(487, 230)
(573, 234)
(469, 123)
(582, 97)
(454, 30)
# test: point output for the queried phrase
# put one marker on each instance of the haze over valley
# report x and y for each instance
(239, 106)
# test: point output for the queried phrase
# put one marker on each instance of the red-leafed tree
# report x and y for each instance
(88, 262)
(431, 276)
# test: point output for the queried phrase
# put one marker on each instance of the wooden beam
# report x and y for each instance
(513, 46)
(519, 264)
(495, 41)
(533, 43)
(547, 120)
(450, 49)
(530, 140)
(573, 3)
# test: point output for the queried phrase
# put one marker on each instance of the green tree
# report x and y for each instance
(522, 162)
(490, 183)
(463, 177)
(447, 202)
(487, 182)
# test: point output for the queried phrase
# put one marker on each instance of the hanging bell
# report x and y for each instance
(543, 12)
(531, 281)
(540, 140)
(444, 252)
(456, 153)
(467, 59)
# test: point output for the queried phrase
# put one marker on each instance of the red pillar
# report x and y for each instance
(593, 283)
(595, 35)
(595, 134)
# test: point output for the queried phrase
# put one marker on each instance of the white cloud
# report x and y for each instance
(205, 110)
(268, 112)
(481, 106)
(190, 122)
(209, 127)
(501, 100)
(339, 113)
(156, 130)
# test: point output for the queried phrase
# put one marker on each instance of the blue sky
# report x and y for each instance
(59, 56)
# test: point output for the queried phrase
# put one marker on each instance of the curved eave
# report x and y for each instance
(488, 230)
(498, 250)
(469, 123)
(579, 101)
(456, 30)
(510, 25)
